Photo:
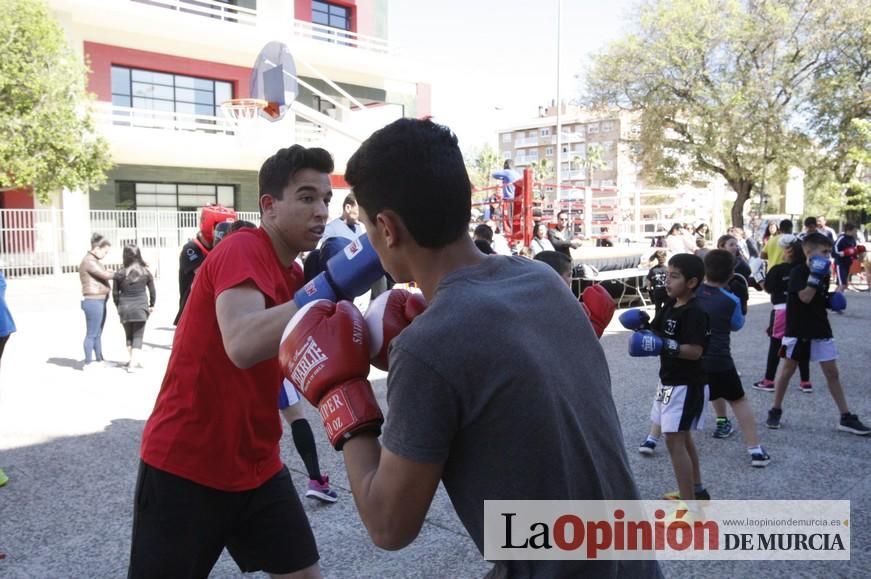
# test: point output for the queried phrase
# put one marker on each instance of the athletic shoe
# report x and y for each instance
(774, 418)
(647, 447)
(702, 495)
(806, 387)
(764, 385)
(851, 423)
(320, 489)
(724, 429)
(760, 459)
(3, 478)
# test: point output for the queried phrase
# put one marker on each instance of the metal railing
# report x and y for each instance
(108, 114)
(208, 9)
(310, 30)
(53, 241)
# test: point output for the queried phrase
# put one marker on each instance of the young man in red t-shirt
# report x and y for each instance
(211, 476)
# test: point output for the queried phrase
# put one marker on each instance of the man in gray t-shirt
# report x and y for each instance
(524, 414)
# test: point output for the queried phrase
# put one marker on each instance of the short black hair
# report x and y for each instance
(484, 247)
(810, 221)
(350, 199)
(560, 262)
(415, 168)
(277, 171)
(689, 265)
(719, 265)
(850, 226)
(240, 224)
(724, 239)
(785, 226)
(816, 239)
(484, 232)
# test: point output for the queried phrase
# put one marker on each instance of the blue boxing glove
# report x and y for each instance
(635, 319)
(646, 343)
(819, 267)
(349, 273)
(837, 302)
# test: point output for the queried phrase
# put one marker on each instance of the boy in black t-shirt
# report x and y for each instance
(679, 336)
(656, 280)
(808, 333)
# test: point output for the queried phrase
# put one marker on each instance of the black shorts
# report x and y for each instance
(726, 384)
(180, 527)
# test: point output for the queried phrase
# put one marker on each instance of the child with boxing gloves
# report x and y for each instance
(808, 334)
(678, 335)
(596, 301)
(846, 251)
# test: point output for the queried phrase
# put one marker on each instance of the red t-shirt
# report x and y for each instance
(214, 423)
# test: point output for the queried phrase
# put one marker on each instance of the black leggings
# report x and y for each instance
(774, 359)
(134, 332)
(3, 340)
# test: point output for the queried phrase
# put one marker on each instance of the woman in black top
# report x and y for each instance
(134, 306)
(776, 282)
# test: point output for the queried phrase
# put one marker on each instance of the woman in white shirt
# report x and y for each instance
(676, 241)
(540, 242)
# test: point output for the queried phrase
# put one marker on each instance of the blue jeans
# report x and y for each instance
(95, 318)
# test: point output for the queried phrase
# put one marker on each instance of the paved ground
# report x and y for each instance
(69, 442)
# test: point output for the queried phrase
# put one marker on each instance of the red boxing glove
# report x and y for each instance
(599, 306)
(324, 353)
(387, 316)
(851, 251)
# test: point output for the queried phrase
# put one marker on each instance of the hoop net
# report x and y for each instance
(240, 111)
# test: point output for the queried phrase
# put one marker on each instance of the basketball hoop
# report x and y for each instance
(242, 111)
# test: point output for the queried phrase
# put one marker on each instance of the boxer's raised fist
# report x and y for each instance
(387, 316)
(324, 353)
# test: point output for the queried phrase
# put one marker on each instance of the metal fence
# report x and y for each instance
(53, 241)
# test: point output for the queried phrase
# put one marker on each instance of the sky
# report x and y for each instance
(492, 63)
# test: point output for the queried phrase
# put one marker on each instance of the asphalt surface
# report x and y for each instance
(69, 444)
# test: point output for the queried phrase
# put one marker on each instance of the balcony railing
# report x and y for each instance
(208, 9)
(310, 30)
(163, 120)
(109, 114)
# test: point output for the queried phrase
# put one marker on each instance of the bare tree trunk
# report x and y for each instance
(742, 188)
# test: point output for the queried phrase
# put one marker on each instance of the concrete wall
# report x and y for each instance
(245, 181)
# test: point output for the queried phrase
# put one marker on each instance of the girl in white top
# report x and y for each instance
(540, 242)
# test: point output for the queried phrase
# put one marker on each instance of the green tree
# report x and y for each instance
(47, 137)
(718, 84)
(593, 161)
(480, 166)
(839, 108)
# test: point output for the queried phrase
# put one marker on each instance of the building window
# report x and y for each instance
(158, 91)
(548, 151)
(607, 127)
(506, 137)
(506, 155)
(172, 196)
(593, 128)
(544, 132)
(331, 15)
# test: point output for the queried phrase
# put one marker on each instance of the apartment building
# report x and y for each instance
(620, 201)
(534, 140)
(160, 70)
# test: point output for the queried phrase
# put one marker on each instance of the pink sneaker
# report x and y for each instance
(806, 387)
(320, 489)
(764, 385)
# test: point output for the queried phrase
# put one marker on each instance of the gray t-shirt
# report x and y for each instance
(503, 380)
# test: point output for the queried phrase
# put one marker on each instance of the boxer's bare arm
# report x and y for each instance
(392, 493)
(251, 332)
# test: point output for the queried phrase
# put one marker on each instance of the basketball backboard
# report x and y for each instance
(274, 80)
